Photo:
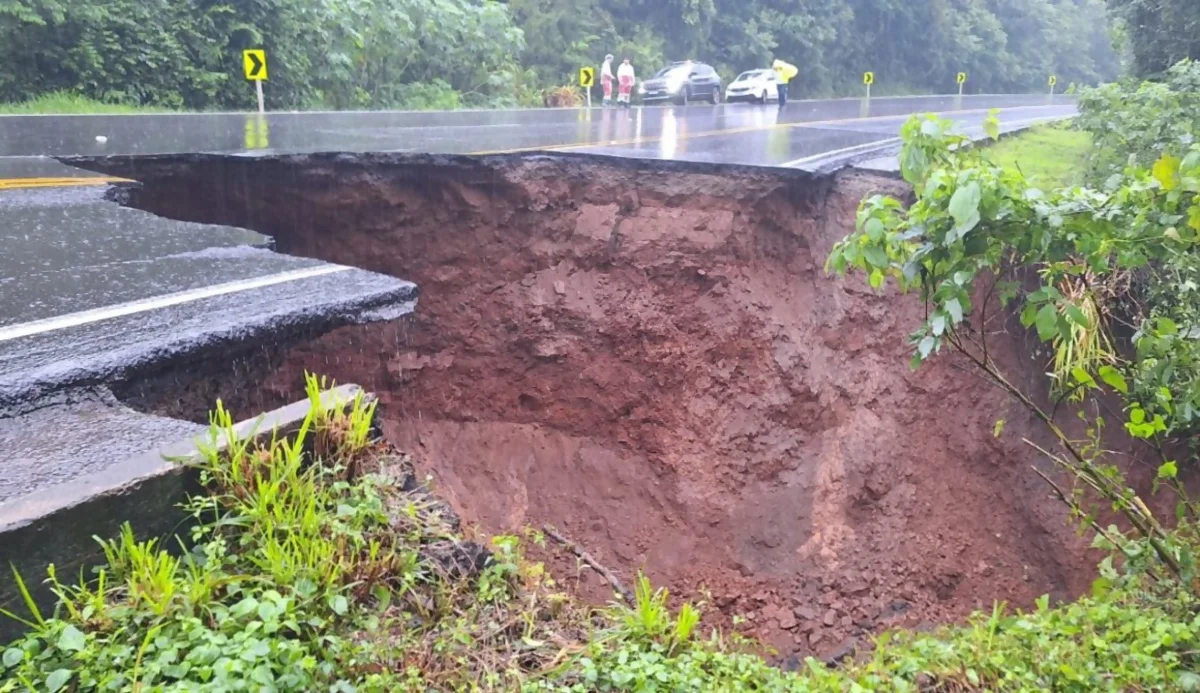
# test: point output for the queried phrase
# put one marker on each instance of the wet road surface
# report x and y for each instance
(93, 293)
(711, 132)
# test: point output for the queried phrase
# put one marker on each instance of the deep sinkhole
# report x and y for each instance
(650, 357)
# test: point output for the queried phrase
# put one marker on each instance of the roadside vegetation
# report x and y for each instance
(317, 562)
(444, 54)
(66, 103)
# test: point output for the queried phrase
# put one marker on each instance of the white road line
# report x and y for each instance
(147, 304)
(844, 150)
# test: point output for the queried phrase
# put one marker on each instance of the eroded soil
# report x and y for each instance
(652, 359)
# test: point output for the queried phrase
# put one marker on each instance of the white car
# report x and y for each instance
(758, 86)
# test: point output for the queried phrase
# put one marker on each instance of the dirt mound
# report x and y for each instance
(651, 359)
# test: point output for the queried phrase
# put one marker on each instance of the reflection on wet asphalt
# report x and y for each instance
(654, 131)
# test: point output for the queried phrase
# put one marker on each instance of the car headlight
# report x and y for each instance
(674, 84)
(642, 88)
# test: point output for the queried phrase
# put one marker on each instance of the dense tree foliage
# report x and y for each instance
(449, 53)
(1158, 33)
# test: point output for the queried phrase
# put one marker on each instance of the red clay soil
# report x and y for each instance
(655, 363)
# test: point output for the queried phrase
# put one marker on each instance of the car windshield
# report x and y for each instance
(671, 69)
(752, 74)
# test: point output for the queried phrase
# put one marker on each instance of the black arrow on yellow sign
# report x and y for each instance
(254, 63)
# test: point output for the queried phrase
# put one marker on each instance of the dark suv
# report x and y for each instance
(682, 83)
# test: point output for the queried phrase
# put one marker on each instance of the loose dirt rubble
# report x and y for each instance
(651, 358)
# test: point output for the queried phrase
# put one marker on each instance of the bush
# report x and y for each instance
(1135, 123)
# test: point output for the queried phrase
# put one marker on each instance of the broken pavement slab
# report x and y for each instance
(59, 524)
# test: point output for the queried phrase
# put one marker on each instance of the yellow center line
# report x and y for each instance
(726, 131)
(18, 183)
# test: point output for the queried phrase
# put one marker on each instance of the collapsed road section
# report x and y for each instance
(649, 356)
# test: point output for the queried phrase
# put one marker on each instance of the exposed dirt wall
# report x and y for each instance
(652, 359)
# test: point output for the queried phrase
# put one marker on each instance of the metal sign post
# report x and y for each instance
(868, 80)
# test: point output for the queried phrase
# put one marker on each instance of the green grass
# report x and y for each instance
(68, 103)
(1049, 155)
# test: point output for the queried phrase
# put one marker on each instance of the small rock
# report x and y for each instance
(830, 618)
(858, 587)
(814, 639)
(805, 613)
(899, 606)
(787, 621)
(560, 288)
(762, 596)
(846, 622)
(841, 653)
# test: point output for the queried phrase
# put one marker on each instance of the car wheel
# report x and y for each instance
(716, 96)
(683, 97)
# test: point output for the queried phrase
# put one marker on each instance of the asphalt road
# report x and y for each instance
(91, 293)
(731, 133)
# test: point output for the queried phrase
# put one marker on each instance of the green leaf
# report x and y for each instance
(1029, 315)
(955, 309)
(339, 604)
(71, 640)
(938, 324)
(998, 428)
(1166, 172)
(991, 126)
(1047, 322)
(926, 346)
(874, 230)
(876, 256)
(964, 207)
(1114, 379)
(12, 657)
(876, 278)
(1083, 378)
(1137, 416)
(1077, 316)
(1168, 470)
(1101, 587)
(57, 679)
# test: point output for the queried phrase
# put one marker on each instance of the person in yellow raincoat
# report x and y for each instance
(784, 72)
